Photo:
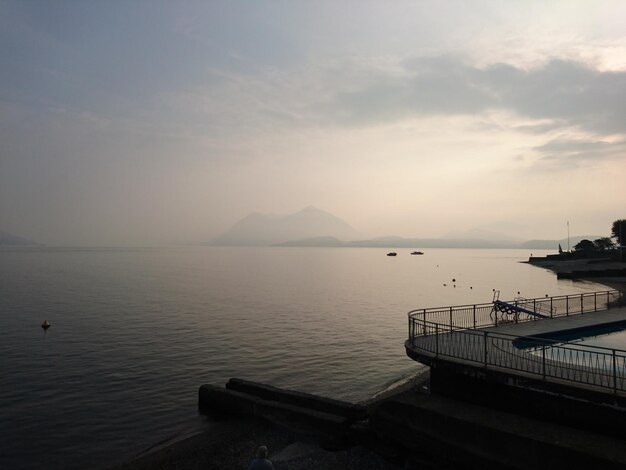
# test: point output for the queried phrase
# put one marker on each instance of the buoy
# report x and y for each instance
(45, 325)
(445, 285)
(471, 287)
(453, 280)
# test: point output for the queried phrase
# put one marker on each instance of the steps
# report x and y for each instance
(297, 411)
(418, 429)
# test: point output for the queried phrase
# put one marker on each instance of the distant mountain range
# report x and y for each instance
(14, 240)
(263, 229)
(315, 227)
(399, 242)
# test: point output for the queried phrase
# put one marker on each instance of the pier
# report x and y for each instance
(517, 340)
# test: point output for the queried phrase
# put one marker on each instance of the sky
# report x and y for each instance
(152, 123)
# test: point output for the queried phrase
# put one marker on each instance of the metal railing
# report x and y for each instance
(455, 332)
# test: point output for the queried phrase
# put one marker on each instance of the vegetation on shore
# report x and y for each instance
(604, 246)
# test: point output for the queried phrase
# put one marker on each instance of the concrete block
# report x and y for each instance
(305, 400)
(221, 400)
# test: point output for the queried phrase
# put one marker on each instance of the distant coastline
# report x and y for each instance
(604, 271)
(312, 227)
(400, 242)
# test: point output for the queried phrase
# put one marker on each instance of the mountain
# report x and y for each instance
(399, 242)
(554, 244)
(414, 243)
(315, 241)
(14, 240)
(479, 234)
(263, 229)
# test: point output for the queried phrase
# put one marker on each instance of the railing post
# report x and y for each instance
(595, 301)
(424, 319)
(582, 307)
(551, 307)
(436, 340)
(474, 315)
(410, 336)
(450, 318)
(614, 373)
(543, 361)
(535, 305)
(485, 342)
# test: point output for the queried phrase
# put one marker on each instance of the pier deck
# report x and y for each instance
(522, 349)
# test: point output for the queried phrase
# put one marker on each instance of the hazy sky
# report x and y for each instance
(161, 122)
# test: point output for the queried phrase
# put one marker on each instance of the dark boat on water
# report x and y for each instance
(392, 253)
(417, 253)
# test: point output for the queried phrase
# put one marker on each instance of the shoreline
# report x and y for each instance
(617, 283)
(598, 271)
(231, 443)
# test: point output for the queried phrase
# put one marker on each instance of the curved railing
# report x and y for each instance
(458, 332)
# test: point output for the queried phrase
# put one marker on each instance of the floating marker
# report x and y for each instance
(45, 325)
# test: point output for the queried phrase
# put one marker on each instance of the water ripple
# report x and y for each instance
(136, 331)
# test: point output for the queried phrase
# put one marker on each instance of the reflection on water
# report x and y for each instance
(134, 332)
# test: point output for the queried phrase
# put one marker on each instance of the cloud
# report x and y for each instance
(566, 93)
(575, 150)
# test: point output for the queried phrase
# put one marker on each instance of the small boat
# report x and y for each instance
(417, 253)
(392, 253)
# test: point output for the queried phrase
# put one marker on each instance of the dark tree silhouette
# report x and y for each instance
(586, 246)
(618, 231)
(603, 244)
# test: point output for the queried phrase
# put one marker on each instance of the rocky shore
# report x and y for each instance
(602, 271)
(230, 443)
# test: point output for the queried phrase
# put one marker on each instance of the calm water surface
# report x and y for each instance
(135, 332)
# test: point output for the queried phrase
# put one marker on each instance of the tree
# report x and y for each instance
(586, 246)
(603, 244)
(618, 231)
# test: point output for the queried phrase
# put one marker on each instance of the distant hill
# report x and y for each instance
(315, 241)
(13, 240)
(315, 227)
(554, 244)
(308, 224)
(399, 242)
(480, 234)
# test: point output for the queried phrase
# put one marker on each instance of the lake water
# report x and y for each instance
(135, 332)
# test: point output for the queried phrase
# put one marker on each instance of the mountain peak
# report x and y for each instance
(10, 239)
(310, 222)
(311, 209)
